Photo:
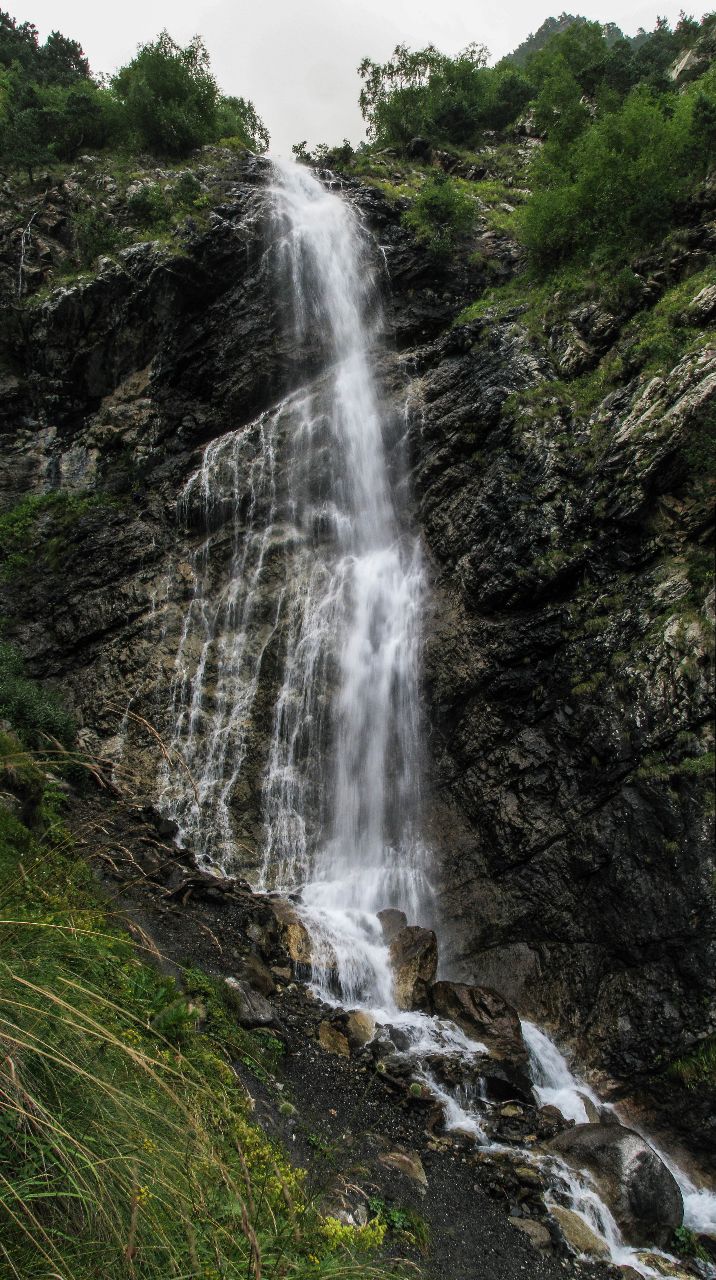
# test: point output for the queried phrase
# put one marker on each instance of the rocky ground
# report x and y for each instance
(333, 1103)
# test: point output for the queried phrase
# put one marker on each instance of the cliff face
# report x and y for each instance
(568, 651)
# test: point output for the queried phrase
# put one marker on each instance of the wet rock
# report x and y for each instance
(636, 1184)
(294, 934)
(359, 1028)
(536, 1232)
(484, 1016)
(663, 1267)
(392, 921)
(578, 1235)
(252, 1009)
(253, 971)
(414, 957)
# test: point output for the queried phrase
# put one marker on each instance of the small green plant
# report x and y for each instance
(34, 711)
(149, 206)
(401, 1220)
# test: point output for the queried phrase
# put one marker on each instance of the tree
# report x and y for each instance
(170, 96)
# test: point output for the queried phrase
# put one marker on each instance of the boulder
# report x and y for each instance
(578, 1234)
(359, 1028)
(251, 1008)
(484, 1016)
(333, 1040)
(414, 957)
(294, 935)
(536, 1232)
(392, 921)
(635, 1183)
(256, 974)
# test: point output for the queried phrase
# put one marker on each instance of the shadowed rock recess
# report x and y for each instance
(567, 669)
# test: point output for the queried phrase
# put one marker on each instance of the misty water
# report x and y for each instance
(308, 564)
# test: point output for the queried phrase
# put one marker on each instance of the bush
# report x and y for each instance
(424, 93)
(441, 215)
(614, 188)
(32, 710)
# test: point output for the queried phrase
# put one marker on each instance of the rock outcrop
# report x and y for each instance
(636, 1184)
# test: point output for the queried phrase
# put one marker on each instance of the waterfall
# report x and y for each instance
(302, 633)
(305, 496)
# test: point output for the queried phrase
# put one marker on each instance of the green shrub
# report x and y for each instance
(32, 710)
(614, 188)
(149, 206)
(441, 215)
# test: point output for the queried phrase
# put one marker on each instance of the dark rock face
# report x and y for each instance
(570, 686)
(639, 1189)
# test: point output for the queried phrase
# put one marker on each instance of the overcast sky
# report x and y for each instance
(297, 59)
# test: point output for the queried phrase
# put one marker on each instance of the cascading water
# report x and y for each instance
(309, 581)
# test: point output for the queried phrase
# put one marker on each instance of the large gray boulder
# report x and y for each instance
(632, 1179)
(414, 957)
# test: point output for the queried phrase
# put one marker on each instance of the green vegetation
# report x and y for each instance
(165, 101)
(441, 215)
(405, 1222)
(128, 1146)
(614, 186)
(697, 1069)
(34, 711)
(624, 145)
(37, 530)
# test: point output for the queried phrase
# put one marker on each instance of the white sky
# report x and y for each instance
(297, 59)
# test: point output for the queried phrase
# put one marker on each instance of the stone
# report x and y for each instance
(414, 957)
(485, 1017)
(257, 974)
(578, 1234)
(536, 1232)
(332, 1040)
(294, 934)
(635, 1183)
(252, 1009)
(359, 1028)
(406, 1162)
(392, 921)
(663, 1267)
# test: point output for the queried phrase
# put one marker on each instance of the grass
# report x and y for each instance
(127, 1143)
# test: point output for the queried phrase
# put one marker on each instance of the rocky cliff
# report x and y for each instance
(560, 478)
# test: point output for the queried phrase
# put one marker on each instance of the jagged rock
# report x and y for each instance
(414, 957)
(333, 1040)
(636, 1184)
(536, 1232)
(392, 921)
(252, 1009)
(578, 1234)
